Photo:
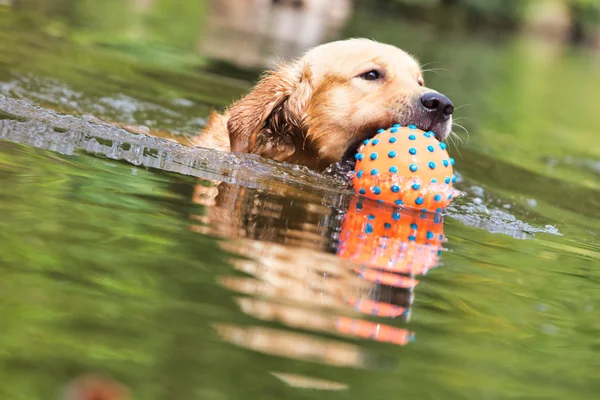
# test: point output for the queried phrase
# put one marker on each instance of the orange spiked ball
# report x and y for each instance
(405, 166)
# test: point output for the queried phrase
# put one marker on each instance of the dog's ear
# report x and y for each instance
(269, 121)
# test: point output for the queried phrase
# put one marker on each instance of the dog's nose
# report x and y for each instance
(438, 103)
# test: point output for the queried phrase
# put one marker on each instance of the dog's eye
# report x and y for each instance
(372, 75)
(421, 81)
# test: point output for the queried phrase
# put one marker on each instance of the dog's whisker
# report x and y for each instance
(462, 119)
(462, 106)
(467, 132)
(457, 138)
(436, 70)
(429, 63)
(463, 128)
(451, 139)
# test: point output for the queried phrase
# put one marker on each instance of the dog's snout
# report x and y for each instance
(437, 103)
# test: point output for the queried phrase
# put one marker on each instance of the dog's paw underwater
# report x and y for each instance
(406, 167)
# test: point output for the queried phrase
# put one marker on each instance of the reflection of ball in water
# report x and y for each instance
(405, 166)
(383, 238)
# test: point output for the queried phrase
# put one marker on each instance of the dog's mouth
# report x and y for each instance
(349, 155)
(440, 131)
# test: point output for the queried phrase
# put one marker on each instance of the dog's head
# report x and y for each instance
(318, 109)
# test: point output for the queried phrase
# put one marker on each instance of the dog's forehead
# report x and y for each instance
(345, 55)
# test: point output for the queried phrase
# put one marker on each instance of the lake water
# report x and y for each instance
(189, 274)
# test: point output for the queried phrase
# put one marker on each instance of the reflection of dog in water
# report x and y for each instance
(311, 269)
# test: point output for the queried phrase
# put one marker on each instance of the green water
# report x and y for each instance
(116, 259)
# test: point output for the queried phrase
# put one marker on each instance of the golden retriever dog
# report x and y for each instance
(315, 111)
